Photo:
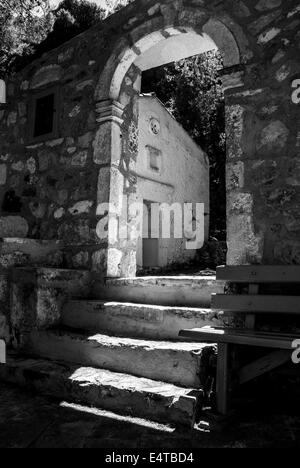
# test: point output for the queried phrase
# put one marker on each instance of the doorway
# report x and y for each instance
(150, 245)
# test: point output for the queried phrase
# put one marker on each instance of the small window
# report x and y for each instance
(154, 160)
(44, 115)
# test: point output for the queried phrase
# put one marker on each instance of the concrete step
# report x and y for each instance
(135, 320)
(121, 393)
(174, 362)
(186, 291)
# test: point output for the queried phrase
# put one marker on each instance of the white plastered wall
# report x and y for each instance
(183, 175)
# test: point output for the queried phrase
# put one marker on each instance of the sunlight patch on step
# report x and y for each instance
(118, 417)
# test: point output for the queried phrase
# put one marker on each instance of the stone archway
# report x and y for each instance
(179, 33)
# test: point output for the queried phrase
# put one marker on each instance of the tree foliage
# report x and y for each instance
(28, 28)
(23, 23)
(192, 91)
(70, 18)
(111, 6)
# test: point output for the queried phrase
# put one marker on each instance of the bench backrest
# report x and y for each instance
(253, 302)
(259, 274)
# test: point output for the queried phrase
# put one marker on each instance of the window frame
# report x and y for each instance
(159, 155)
(32, 114)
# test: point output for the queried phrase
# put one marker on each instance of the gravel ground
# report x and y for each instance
(30, 421)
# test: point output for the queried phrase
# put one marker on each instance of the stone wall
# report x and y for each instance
(51, 189)
(48, 188)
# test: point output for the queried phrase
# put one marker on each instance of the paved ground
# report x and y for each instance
(27, 420)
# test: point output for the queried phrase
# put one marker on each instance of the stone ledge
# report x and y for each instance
(34, 252)
(54, 278)
(161, 280)
(135, 320)
(186, 291)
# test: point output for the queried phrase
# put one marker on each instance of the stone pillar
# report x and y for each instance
(245, 245)
(109, 260)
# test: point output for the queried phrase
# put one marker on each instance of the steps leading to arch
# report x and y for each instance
(121, 393)
(122, 355)
(135, 320)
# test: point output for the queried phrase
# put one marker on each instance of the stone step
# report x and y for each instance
(187, 291)
(174, 362)
(135, 320)
(120, 393)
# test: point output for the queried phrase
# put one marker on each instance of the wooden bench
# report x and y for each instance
(2, 352)
(251, 305)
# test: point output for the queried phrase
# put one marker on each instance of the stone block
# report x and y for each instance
(235, 175)
(234, 130)
(12, 118)
(38, 209)
(283, 72)
(13, 226)
(75, 111)
(99, 262)
(264, 5)
(85, 140)
(46, 75)
(103, 185)
(18, 166)
(79, 159)
(80, 260)
(81, 207)
(273, 137)
(3, 174)
(4, 329)
(102, 144)
(37, 297)
(263, 22)
(114, 257)
(267, 36)
(59, 213)
(245, 246)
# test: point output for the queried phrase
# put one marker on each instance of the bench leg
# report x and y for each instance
(223, 378)
(2, 352)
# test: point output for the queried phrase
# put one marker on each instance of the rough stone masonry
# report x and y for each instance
(50, 188)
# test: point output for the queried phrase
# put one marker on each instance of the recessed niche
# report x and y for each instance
(154, 158)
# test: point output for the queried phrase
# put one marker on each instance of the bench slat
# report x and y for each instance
(259, 274)
(256, 303)
(219, 335)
